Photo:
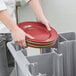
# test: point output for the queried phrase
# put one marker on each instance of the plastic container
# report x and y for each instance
(61, 62)
(66, 44)
(68, 49)
(49, 64)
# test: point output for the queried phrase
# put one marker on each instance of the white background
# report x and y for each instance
(60, 13)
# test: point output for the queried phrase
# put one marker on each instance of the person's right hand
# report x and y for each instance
(19, 36)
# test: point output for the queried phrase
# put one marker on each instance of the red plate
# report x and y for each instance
(38, 31)
(39, 46)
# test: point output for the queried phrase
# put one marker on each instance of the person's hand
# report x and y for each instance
(44, 21)
(18, 36)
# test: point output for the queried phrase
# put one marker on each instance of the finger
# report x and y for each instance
(29, 36)
(18, 42)
(22, 43)
(48, 27)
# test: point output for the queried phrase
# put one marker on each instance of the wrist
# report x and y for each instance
(40, 17)
(13, 29)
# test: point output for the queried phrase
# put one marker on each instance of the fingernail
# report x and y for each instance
(49, 29)
(32, 37)
(26, 46)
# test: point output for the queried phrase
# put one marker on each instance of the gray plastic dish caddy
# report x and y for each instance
(60, 60)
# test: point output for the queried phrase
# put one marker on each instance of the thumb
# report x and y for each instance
(29, 36)
(48, 27)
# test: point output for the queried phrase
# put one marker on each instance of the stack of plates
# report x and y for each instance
(42, 37)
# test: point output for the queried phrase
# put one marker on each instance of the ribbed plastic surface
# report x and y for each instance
(59, 60)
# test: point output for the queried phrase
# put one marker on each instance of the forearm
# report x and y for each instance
(36, 7)
(6, 19)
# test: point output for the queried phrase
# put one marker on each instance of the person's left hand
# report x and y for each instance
(44, 21)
